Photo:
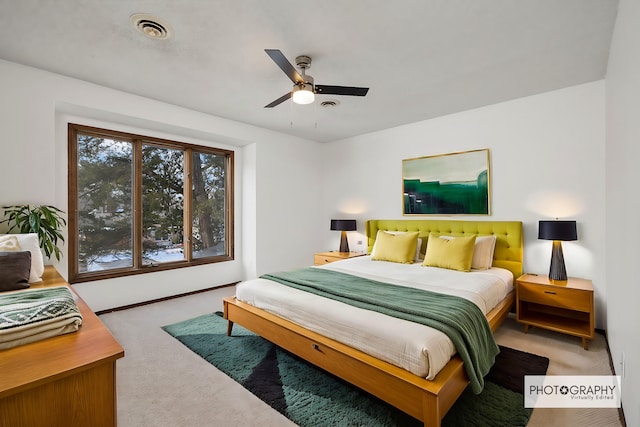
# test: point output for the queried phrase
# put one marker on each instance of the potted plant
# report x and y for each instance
(45, 220)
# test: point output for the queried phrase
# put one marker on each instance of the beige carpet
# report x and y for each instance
(566, 357)
(162, 383)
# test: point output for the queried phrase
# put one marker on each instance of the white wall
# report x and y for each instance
(547, 160)
(287, 199)
(34, 109)
(623, 203)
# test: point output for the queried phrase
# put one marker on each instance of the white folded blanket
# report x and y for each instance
(34, 314)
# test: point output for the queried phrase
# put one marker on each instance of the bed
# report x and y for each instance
(425, 399)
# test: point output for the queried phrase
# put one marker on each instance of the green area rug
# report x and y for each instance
(310, 397)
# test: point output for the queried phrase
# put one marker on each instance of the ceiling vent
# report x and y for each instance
(150, 26)
(330, 103)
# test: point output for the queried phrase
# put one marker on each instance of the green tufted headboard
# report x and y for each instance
(509, 245)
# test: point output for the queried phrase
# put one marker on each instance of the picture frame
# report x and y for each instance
(447, 184)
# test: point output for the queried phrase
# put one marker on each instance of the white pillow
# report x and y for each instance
(29, 242)
(482, 252)
(417, 258)
(9, 243)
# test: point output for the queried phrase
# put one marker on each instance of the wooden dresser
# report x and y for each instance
(68, 380)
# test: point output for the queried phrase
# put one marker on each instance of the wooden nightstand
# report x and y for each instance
(327, 257)
(562, 306)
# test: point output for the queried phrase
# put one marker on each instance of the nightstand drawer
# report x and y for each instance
(556, 296)
(323, 259)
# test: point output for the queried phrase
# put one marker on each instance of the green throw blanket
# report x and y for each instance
(461, 320)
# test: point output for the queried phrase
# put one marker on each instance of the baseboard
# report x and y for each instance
(170, 297)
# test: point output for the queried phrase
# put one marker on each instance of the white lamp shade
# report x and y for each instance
(303, 94)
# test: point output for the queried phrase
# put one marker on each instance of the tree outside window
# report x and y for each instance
(141, 204)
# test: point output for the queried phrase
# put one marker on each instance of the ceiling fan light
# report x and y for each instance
(303, 94)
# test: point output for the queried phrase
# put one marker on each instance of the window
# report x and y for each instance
(139, 204)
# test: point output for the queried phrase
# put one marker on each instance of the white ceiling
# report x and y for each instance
(420, 58)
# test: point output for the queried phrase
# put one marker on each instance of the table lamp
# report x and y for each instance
(343, 225)
(557, 231)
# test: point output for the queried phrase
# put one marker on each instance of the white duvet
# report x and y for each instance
(419, 349)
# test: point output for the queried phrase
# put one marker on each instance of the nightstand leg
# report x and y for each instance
(585, 343)
(526, 328)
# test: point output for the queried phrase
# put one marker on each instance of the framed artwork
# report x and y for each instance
(447, 184)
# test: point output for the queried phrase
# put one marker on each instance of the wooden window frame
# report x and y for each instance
(75, 276)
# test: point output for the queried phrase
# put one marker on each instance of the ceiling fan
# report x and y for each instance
(304, 89)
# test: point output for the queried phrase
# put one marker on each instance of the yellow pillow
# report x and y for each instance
(395, 247)
(454, 254)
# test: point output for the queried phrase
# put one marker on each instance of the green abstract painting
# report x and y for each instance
(447, 184)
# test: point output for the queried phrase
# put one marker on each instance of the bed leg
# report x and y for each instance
(229, 327)
(226, 316)
(431, 411)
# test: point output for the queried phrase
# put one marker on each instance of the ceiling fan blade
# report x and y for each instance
(285, 65)
(279, 100)
(341, 90)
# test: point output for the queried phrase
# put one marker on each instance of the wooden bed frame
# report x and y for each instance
(426, 400)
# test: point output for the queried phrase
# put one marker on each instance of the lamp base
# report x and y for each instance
(344, 243)
(557, 270)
